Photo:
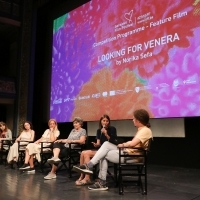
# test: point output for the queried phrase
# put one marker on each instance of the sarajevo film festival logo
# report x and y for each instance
(128, 16)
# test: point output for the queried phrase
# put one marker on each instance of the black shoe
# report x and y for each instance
(98, 186)
(30, 170)
(83, 169)
(24, 167)
(14, 165)
(8, 166)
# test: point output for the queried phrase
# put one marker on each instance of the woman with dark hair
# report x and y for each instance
(26, 135)
(34, 149)
(61, 147)
(110, 152)
(5, 132)
(104, 133)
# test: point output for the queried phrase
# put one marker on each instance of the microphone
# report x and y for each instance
(103, 127)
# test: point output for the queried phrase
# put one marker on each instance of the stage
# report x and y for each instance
(164, 183)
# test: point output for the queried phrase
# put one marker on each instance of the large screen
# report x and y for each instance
(112, 57)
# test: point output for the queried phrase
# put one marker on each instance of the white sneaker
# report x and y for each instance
(57, 160)
(53, 160)
(82, 169)
(24, 167)
(50, 176)
(50, 159)
(30, 171)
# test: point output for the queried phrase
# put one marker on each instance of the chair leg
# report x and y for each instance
(115, 175)
(41, 163)
(145, 181)
(73, 160)
(70, 172)
(140, 183)
(120, 182)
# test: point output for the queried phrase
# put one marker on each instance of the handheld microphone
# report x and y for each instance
(103, 127)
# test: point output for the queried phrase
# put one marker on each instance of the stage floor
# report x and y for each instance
(164, 183)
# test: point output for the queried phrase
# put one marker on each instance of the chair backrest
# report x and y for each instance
(84, 146)
(5, 144)
(142, 156)
(23, 143)
(80, 146)
(149, 145)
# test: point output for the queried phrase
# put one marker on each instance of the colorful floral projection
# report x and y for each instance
(113, 56)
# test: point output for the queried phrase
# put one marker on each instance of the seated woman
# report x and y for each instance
(26, 135)
(104, 133)
(33, 149)
(110, 152)
(61, 147)
(5, 132)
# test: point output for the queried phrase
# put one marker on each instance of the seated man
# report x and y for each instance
(110, 152)
(77, 135)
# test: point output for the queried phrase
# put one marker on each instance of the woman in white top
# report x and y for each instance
(27, 135)
(5, 132)
(33, 149)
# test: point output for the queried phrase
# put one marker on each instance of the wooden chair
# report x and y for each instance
(132, 171)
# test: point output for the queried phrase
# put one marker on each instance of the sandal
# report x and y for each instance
(83, 182)
(77, 181)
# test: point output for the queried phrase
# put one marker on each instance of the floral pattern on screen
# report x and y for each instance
(111, 56)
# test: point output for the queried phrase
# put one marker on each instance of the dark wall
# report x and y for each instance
(4, 57)
(3, 113)
(183, 152)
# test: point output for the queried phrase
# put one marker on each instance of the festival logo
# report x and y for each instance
(128, 16)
